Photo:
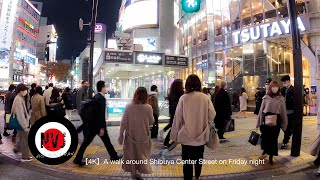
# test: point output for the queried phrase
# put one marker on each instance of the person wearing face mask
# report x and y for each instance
(19, 110)
(97, 126)
(268, 81)
(272, 116)
(153, 102)
(223, 109)
(288, 93)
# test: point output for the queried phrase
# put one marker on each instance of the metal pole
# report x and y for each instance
(298, 82)
(93, 25)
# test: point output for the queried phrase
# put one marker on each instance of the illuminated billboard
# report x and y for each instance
(138, 14)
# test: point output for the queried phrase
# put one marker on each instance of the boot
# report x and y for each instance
(271, 159)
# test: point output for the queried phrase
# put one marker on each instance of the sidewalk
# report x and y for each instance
(226, 158)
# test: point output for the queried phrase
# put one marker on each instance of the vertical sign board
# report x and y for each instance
(7, 20)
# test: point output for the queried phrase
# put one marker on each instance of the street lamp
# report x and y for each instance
(92, 33)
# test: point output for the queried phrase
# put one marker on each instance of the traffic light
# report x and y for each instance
(46, 54)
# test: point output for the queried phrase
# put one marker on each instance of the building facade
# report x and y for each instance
(47, 38)
(247, 41)
(19, 30)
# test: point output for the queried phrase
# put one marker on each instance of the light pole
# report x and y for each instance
(92, 33)
(298, 82)
(93, 26)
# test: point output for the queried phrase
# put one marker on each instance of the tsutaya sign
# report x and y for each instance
(266, 30)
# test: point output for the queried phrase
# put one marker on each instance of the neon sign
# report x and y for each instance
(266, 30)
(98, 28)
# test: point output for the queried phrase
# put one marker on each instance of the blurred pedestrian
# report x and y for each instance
(153, 101)
(97, 126)
(258, 99)
(288, 93)
(82, 95)
(191, 125)
(67, 99)
(135, 134)
(32, 92)
(213, 97)
(56, 104)
(206, 92)
(307, 101)
(223, 109)
(235, 100)
(271, 118)
(10, 95)
(38, 105)
(19, 110)
(176, 91)
(266, 85)
(243, 99)
(47, 94)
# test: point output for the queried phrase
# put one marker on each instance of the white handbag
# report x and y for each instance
(214, 141)
(314, 147)
(270, 120)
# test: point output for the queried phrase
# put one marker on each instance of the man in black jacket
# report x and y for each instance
(223, 109)
(97, 126)
(288, 93)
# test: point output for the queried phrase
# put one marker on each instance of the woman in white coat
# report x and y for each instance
(19, 110)
(243, 98)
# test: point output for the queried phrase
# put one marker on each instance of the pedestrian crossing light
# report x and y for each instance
(190, 6)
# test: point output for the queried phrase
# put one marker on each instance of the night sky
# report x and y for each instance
(65, 14)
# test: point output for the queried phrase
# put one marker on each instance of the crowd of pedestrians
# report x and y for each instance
(192, 112)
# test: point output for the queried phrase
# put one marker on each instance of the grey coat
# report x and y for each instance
(275, 105)
(82, 95)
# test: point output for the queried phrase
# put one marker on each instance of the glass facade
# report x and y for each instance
(207, 37)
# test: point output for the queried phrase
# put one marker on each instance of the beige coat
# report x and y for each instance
(191, 124)
(38, 108)
(275, 105)
(135, 130)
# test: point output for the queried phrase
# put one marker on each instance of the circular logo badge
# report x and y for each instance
(53, 141)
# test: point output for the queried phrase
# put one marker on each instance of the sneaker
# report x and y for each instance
(79, 163)
(25, 160)
(161, 134)
(6, 134)
(116, 158)
(284, 146)
(164, 154)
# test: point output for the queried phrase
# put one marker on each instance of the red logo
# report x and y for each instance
(52, 140)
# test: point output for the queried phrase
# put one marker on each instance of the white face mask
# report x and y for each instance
(267, 87)
(24, 93)
(274, 90)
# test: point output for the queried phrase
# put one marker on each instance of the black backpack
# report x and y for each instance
(87, 109)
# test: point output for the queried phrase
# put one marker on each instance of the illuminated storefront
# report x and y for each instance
(245, 42)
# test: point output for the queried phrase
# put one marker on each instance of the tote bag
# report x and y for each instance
(14, 123)
(213, 142)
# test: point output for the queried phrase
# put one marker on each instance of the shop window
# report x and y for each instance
(235, 14)
(257, 11)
